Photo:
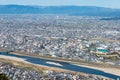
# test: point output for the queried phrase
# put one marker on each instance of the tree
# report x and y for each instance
(3, 77)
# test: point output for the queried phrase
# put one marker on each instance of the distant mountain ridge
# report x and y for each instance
(69, 10)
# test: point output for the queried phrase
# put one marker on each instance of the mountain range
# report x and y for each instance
(68, 10)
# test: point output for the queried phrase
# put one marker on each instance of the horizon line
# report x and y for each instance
(58, 5)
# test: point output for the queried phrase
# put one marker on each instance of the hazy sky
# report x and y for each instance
(103, 3)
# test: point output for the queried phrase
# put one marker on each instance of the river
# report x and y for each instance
(62, 65)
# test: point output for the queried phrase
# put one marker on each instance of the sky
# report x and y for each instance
(102, 3)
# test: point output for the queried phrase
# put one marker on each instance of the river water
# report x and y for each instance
(62, 65)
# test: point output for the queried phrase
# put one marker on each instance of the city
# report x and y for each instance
(59, 40)
(61, 36)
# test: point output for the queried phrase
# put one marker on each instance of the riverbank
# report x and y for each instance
(102, 67)
(14, 59)
(80, 62)
(17, 61)
(24, 71)
(108, 68)
(22, 63)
